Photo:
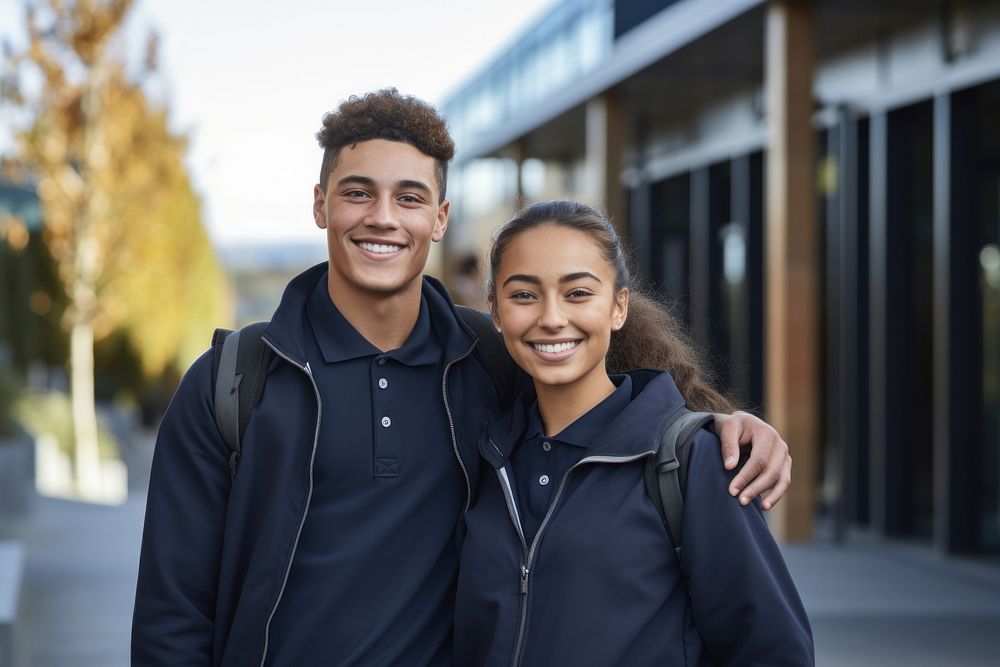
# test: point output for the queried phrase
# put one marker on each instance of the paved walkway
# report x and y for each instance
(879, 605)
(79, 583)
(870, 604)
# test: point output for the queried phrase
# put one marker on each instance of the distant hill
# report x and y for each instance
(271, 257)
(260, 271)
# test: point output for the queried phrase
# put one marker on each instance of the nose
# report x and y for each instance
(552, 317)
(381, 214)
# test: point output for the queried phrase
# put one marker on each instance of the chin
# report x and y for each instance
(385, 285)
(555, 377)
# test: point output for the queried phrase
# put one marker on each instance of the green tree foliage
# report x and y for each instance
(122, 221)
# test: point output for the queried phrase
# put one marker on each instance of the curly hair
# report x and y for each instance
(651, 336)
(386, 114)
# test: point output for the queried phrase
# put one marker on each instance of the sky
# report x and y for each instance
(249, 81)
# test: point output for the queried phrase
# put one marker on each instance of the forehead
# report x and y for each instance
(551, 251)
(385, 162)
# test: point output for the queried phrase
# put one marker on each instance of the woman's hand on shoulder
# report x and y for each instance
(769, 467)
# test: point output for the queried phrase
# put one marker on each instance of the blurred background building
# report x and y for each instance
(816, 185)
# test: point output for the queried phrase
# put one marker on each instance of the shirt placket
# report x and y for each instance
(544, 474)
(386, 442)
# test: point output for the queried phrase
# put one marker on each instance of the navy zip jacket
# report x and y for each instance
(216, 552)
(600, 585)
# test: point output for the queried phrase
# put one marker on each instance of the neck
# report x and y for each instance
(561, 405)
(385, 320)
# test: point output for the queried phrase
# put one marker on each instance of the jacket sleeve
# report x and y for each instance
(745, 605)
(182, 537)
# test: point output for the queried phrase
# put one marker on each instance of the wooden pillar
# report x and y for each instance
(605, 152)
(792, 379)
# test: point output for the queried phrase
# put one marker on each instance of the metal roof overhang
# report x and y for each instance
(665, 33)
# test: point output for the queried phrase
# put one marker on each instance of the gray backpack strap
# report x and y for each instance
(675, 443)
(227, 396)
(241, 361)
(666, 472)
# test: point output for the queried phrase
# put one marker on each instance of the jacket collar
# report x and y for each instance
(288, 328)
(633, 432)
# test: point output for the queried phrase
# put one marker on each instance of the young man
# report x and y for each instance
(335, 542)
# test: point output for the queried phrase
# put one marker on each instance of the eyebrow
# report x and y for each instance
(535, 280)
(369, 182)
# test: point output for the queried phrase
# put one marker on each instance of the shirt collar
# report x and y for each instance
(339, 341)
(588, 427)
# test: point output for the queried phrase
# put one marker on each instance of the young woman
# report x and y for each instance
(566, 561)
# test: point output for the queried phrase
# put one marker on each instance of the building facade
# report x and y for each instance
(817, 185)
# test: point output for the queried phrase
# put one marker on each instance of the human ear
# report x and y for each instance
(494, 315)
(441, 223)
(619, 312)
(319, 206)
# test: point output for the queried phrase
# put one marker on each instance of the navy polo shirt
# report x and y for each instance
(540, 462)
(372, 581)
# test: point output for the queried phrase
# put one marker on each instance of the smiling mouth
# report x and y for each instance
(555, 348)
(379, 248)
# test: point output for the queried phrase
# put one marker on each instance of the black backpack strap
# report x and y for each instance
(241, 360)
(666, 472)
(493, 356)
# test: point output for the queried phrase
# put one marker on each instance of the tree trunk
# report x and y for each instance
(83, 294)
(86, 459)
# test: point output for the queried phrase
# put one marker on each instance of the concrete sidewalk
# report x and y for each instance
(79, 583)
(877, 604)
(870, 604)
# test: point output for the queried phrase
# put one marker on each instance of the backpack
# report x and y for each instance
(241, 361)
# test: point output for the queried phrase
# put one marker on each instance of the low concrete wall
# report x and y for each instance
(17, 474)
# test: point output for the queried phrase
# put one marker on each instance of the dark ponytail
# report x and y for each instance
(651, 336)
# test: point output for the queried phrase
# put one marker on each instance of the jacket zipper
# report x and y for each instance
(515, 517)
(295, 545)
(530, 551)
(451, 424)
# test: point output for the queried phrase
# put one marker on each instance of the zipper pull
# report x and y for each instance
(524, 580)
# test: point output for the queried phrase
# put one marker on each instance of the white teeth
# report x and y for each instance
(555, 347)
(379, 248)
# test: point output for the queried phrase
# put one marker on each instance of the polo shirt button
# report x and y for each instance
(382, 383)
(543, 480)
(386, 422)
(547, 446)
(381, 361)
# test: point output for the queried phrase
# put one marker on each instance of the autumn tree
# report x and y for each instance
(121, 218)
